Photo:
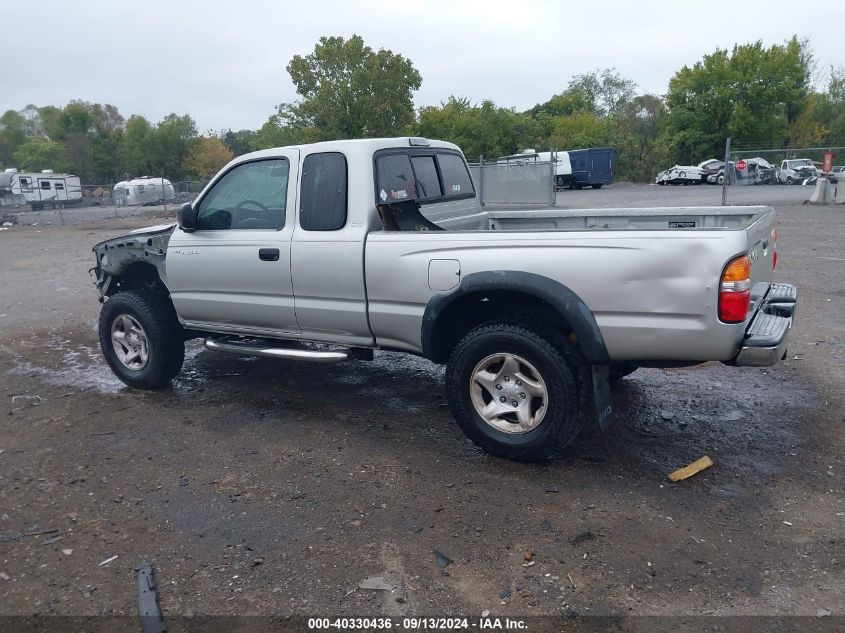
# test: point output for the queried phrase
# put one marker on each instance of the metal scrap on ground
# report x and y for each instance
(688, 471)
(152, 620)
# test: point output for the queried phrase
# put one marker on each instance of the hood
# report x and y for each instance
(150, 230)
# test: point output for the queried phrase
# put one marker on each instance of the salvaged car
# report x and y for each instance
(713, 170)
(752, 171)
(681, 175)
(795, 171)
(329, 251)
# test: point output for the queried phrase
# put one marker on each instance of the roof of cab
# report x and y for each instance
(367, 145)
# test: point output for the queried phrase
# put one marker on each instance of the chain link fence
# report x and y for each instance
(788, 175)
(135, 194)
(188, 190)
(786, 166)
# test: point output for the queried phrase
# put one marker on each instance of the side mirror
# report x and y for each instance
(187, 218)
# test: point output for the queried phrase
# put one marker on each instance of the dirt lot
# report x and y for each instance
(268, 487)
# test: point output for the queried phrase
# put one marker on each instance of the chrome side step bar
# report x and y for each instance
(276, 352)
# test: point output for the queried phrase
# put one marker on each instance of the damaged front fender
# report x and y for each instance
(115, 257)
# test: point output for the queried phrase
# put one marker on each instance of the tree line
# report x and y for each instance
(765, 97)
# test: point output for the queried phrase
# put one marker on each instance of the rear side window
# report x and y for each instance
(323, 193)
(456, 179)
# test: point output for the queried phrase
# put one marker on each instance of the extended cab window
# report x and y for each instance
(250, 196)
(416, 176)
(323, 192)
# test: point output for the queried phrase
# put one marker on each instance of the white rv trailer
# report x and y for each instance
(144, 190)
(42, 189)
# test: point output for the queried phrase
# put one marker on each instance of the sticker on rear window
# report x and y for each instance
(383, 195)
(453, 188)
(398, 194)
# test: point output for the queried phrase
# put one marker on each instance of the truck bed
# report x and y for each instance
(650, 276)
(461, 218)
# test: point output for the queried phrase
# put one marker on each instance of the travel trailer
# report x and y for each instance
(44, 189)
(144, 190)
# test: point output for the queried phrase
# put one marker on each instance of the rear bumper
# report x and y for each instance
(765, 339)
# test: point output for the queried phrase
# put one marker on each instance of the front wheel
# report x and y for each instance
(141, 338)
(516, 391)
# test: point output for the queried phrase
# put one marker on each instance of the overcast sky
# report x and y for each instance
(224, 62)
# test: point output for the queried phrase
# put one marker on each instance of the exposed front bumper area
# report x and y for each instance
(765, 338)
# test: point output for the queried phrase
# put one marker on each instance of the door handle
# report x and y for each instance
(268, 254)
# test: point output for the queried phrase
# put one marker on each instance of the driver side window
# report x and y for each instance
(250, 196)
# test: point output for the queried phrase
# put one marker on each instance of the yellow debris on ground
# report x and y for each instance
(688, 471)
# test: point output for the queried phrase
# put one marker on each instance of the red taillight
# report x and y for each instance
(735, 290)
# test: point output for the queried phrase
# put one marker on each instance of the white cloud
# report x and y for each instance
(224, 63)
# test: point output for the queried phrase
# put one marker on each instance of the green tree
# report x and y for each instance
(39, 153)
(12, 136)
(639, 125)
(348, 90)
(752, 94)
(169, 146)
(49, 121)
(822, 120)
(135, 158)
(484, 129)
(240, 142)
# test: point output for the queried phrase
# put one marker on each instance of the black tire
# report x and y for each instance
(164, 336)
(790, 180)
(619, 370)
(554, 360)
(596, 186)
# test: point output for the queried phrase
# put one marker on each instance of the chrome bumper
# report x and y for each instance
(765, 339)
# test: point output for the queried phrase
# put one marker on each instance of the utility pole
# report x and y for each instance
(725, 179)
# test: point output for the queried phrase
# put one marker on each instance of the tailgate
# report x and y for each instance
(761, 251)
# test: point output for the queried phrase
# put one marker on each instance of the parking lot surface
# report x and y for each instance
(259, 486)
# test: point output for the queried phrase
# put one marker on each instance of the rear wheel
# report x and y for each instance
(141, 338)
(516, 391)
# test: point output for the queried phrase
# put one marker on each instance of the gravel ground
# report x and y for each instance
(268, 487)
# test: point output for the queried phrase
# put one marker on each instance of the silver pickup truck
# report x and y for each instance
(328, 251)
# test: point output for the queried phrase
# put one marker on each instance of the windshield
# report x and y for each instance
(804, 162)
